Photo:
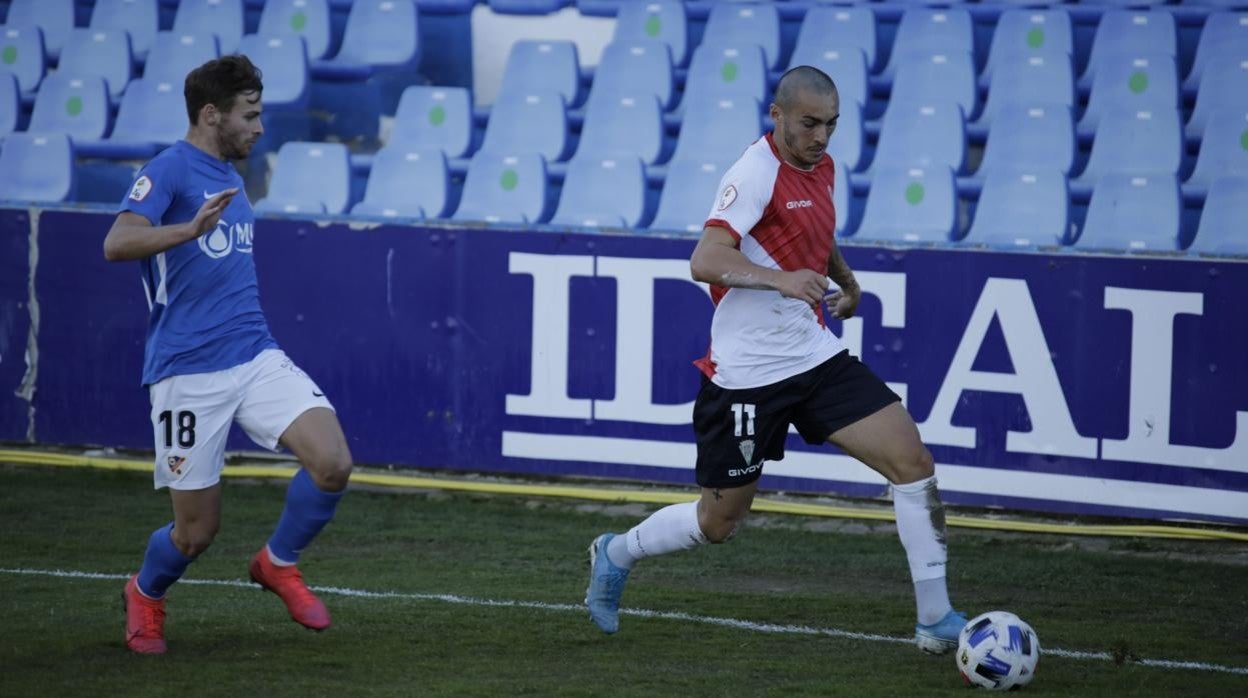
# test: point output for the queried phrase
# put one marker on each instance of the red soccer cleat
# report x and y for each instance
(287, 583)
(145, 620)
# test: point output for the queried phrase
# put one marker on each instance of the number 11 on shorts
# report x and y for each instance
(743, 415)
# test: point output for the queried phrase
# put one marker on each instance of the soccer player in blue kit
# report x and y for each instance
(210, 360)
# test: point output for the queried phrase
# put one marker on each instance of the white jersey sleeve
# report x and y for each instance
(743, 195)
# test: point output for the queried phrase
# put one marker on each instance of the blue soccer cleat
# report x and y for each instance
(942, 636)
(606, 585)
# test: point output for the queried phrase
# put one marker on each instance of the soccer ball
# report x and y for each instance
(998, 650)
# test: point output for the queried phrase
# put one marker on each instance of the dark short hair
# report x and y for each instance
(803, 77)
(218, 82)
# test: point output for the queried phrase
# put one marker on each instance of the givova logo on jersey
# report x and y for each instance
(227, 238)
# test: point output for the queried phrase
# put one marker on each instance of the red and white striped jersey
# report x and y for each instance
(783, 218)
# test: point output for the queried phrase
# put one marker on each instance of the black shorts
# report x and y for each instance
(739, 429)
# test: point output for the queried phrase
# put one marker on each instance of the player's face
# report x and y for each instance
(807, 125)
(240, 127)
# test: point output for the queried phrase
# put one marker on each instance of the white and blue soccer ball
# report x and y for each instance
(998, 650)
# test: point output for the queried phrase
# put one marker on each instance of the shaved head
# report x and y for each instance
(805, 111)
(801, 79)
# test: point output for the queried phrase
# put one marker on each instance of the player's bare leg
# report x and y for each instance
(196, 518)
(712, 519)
(888, 441)
(316, 439)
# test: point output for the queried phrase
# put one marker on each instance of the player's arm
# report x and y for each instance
(718, 261)
(844, 302)
(134, 237)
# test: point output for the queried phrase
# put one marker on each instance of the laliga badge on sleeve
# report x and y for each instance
(728, 196)
(142, 187)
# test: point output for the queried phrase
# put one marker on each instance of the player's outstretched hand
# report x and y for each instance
(210, 213)
(844, 302)
(804, 285)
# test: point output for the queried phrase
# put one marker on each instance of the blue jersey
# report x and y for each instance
(203, 294)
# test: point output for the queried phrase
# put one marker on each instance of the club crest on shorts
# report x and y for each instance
(175, 464)
(747, 451)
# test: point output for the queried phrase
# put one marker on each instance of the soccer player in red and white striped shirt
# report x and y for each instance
(767, 251)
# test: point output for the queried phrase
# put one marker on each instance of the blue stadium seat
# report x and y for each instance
(602, 193)
(931, 30)
(842, 188)
(1023, 33)
(437, 118)
(1027, 80)
(151, 112)
(718, 130)
(77, 107)
(542, 66)
(738, 24)
(55, 18)
(101, 53)
(849, 139)
(309, 178)
(37, 167)
(174, 55)
(10, 104)
(910, 205)
(406, 183)
(1221, 229)
(224, 18)
(21, 53)
(688, 194)
(283, 61)
(1039, 138)
(1133, 213)
(381, 33)
(928, 78)
(1135, 142)
(726, 72)
(922, 135)
(1223, 150)
(654, 20)
(848, 69)
(837, 29)
(528, 123)
(1224, 87)
(138, 18)
(636, 69)
(1223, 32)
(1021, 209)
(1142, 82)
(504, 189)
(1129, 32)
(309, 19)
(624, 127)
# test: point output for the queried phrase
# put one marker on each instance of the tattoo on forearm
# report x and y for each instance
(717, 495)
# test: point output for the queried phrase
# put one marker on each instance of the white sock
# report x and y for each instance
(277, 560)
(667, 530)
(921, 527)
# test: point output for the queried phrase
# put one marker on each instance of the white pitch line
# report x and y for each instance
(771, 628)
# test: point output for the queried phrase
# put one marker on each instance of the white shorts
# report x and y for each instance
(191, 415)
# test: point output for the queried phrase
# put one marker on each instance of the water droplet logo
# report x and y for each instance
(218, 243)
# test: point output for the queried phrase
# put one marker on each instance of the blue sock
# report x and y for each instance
(307, 511)
(163, 563)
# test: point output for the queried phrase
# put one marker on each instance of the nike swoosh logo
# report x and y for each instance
(210, 196)
(316, 394)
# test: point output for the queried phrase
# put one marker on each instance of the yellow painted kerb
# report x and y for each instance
(602, 494)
